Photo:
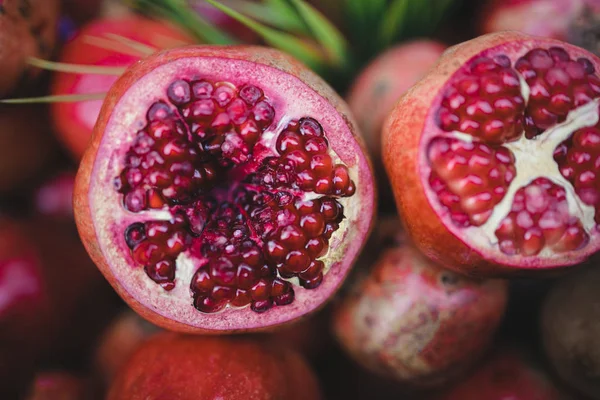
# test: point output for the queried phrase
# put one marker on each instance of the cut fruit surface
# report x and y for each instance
(221, 188)
(509, 151)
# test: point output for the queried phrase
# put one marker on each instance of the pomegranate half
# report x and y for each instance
(494, 156)
(225, 189)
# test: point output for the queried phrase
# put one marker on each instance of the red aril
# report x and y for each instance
(574, 21)
(506, 375)
(414, 322)
(197, 368)
(100, 44)
(28, 30)
(493, 156)
(225, 189)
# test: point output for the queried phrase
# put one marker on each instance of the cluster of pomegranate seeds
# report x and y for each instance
(486, 102)
(156, 245)
(557, 85)
(470, 178)
(578, 159)
(540, 217)
(502, 125)
(249, 216)
(305, 162)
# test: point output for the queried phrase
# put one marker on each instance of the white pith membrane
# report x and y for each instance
(111, 219)
(534, 158)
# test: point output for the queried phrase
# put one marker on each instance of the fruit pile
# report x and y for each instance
(291, 199)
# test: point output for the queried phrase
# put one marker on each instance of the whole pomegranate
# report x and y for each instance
(571, 330)
(493, 156)
(575, 21)
(225, 189)
(28, 30)
(378, 87)
(182, 367)
(92, 45)
(416, 322)
(508, 374)
(27, 146)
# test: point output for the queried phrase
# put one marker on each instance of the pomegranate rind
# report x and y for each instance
(404, 141)
(97, 205)
(74, 122)
(214, 368)
(416, 322)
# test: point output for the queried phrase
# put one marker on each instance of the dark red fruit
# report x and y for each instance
(493, 156)
(571, 330)
(224, 190)
(28, 30)
(195, 367)
(505, 375)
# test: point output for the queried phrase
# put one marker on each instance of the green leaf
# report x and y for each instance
(180, 13)
(393, 21)
(276, 13)
(324, 32)
(304, 50)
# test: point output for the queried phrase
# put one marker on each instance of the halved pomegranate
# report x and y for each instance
(494, 156)
(224, 189)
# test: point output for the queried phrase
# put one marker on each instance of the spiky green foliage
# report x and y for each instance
(298, 28)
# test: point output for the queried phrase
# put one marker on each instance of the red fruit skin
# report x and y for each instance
(58, 386)
(74, 121)
(379, 86)
(178, 367)
(506, 375)
(119, 341)
(28, 30)
(566, 20)
(261, 55)
(401, 144)
(417, 323)
(54, 198)
(26, 145)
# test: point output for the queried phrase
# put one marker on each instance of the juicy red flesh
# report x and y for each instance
(539, 217)
(579, 162)
(470, 178)
(558, 84)
(485, 102)
(238, 207)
